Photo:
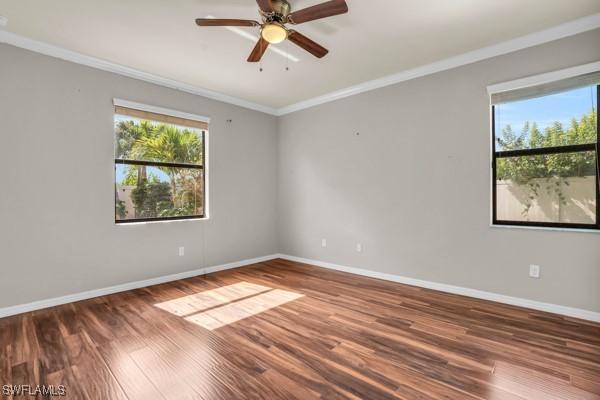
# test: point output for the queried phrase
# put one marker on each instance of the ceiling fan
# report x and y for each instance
(275, 15)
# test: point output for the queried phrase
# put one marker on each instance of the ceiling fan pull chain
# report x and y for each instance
(287, 55)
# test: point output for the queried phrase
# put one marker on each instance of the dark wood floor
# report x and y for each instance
(282, 330)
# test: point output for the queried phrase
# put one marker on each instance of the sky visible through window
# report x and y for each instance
(544, 111)
(153, 172)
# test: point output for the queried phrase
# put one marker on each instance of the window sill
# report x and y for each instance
(164, 221)
(544, 228)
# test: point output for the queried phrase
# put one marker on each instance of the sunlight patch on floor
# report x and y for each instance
(215, 308)
(194, 303)
(234, 312)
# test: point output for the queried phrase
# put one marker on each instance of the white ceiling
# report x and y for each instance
(376, 38)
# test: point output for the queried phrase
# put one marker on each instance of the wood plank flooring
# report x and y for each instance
(284, 330)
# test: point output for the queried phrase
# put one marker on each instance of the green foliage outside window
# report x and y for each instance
(151, 198)
(556, 169)
(151, 141)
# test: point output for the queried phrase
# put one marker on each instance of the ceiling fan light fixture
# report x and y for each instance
(275, 15)
(274, 33)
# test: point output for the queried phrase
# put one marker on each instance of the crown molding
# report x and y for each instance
(558, 32)
(78, 58)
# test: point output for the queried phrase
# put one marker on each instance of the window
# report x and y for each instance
(159, 165)
(545, 163)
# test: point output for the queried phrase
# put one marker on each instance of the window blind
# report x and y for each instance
(167, 119)
(546, 89)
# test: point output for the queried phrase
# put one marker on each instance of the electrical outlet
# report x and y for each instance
(534, 271)
(359, 248)
(181, 251)
(323, 242)
(3, 21)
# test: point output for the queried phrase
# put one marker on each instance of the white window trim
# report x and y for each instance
(160, 110)
(541, 79)
(533, 80)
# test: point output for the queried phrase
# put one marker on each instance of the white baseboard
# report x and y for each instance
(479, 294)
(56, 301)
(442, 287)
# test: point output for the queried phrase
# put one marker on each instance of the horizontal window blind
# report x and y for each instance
(167, 119)
(546, 89)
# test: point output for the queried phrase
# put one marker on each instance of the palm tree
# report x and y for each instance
(128, 133)
(167, 143)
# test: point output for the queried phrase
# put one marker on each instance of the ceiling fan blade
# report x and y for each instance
(313, 48)
(225, 22)
(259, 50)
(324, 10)
(265, 5)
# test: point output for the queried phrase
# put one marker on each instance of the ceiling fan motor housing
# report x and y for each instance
(281, 9)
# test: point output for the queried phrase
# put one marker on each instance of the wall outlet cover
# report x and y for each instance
(534, 271)
(323, 242)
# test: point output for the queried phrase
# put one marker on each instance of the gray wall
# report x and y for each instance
(414, 186)
(57, 234)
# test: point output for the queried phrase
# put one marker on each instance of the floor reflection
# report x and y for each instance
(216, 308)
